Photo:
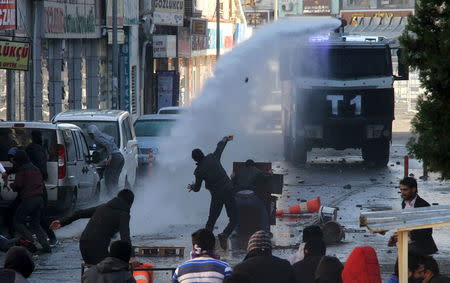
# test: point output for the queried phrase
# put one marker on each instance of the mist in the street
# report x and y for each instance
(231, 103)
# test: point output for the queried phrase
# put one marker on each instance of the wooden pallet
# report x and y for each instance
(159, 251)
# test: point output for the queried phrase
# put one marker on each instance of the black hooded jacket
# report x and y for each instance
(211, 171)
(17, 260)
(109, 270)
(38, 157)
(263, 267)
(105, 221)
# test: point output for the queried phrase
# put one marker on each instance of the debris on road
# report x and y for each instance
(347, 187)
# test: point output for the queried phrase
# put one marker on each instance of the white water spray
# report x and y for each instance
(230, 104)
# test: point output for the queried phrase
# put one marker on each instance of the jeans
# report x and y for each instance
(112, 172)
(218, 200)
(253, 202)
(31, 207)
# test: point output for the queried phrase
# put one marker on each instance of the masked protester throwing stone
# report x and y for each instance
(210, 170)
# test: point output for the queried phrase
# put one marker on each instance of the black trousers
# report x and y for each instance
(93, 252)
(112, 172)
(45, 222)
(31, 207)
(218, 200)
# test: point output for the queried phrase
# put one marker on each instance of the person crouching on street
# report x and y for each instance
(29, 185)
(105, 221)
(114, 268)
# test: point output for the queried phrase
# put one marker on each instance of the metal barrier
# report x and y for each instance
(84, 266)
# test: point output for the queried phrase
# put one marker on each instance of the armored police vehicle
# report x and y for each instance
(338, 93)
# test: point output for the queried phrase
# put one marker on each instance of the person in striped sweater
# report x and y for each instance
(204, 265)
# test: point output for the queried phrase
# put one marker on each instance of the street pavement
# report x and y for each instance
(339, 178)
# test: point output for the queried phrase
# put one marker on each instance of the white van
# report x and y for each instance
(116, 123)
(72, 178)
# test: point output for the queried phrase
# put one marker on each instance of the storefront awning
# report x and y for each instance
(389, 27)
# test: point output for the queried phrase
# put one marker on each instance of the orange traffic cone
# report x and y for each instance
(305, 207)
(141, 275)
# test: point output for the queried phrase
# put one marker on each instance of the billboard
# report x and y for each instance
(168, 12)
(317, 7)
(14, 55)
(7, 14)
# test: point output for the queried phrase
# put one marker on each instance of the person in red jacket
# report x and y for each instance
(362, 266)
(29, 185)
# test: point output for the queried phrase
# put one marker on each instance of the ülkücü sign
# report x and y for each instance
(14, 55)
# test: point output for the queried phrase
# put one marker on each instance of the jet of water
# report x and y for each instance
(230, 103)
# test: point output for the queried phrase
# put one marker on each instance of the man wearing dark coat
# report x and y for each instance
(261, 265)
(305, 269)
(421, 240)
(210, 170)
(105, 221)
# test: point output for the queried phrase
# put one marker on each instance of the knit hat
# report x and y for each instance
(259, 241)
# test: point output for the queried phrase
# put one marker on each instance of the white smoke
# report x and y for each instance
(227, 105)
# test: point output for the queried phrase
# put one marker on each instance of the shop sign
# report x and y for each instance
(184, 44)
(257, 18)
(164, 46)
(131, 12)
(199, 26)
(120, 36)
(168, 88)
(125, 50)
(120, 13)
(7, 14)
(206, 45)
(76, 19)
(316, 7)
(168, 12)
(351, 16)
(14, 55)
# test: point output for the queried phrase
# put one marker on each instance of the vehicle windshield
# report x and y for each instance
(21, 138)
(154, 128)
(345, 63)
(108, 127)
(169, 111)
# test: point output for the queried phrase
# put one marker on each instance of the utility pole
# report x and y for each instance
(218, 30)
(115, 59)
(275, 10)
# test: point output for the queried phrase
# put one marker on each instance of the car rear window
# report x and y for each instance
(21, 138)
(154, 128)
(108, 127)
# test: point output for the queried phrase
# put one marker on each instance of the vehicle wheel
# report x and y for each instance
(377, 152)
(300, 153)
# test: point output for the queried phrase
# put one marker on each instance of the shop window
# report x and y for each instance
(397, 4)
(356, 4)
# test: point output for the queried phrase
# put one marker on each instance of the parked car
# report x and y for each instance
(171, 110)
(151, 131)
(115, 123)
(72, 178)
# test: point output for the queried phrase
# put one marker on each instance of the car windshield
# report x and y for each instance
(169, 111)
(108, 127)
(154, 128)
(21, 138)
(345, 63)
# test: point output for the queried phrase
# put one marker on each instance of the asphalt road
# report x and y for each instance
(341, 180)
